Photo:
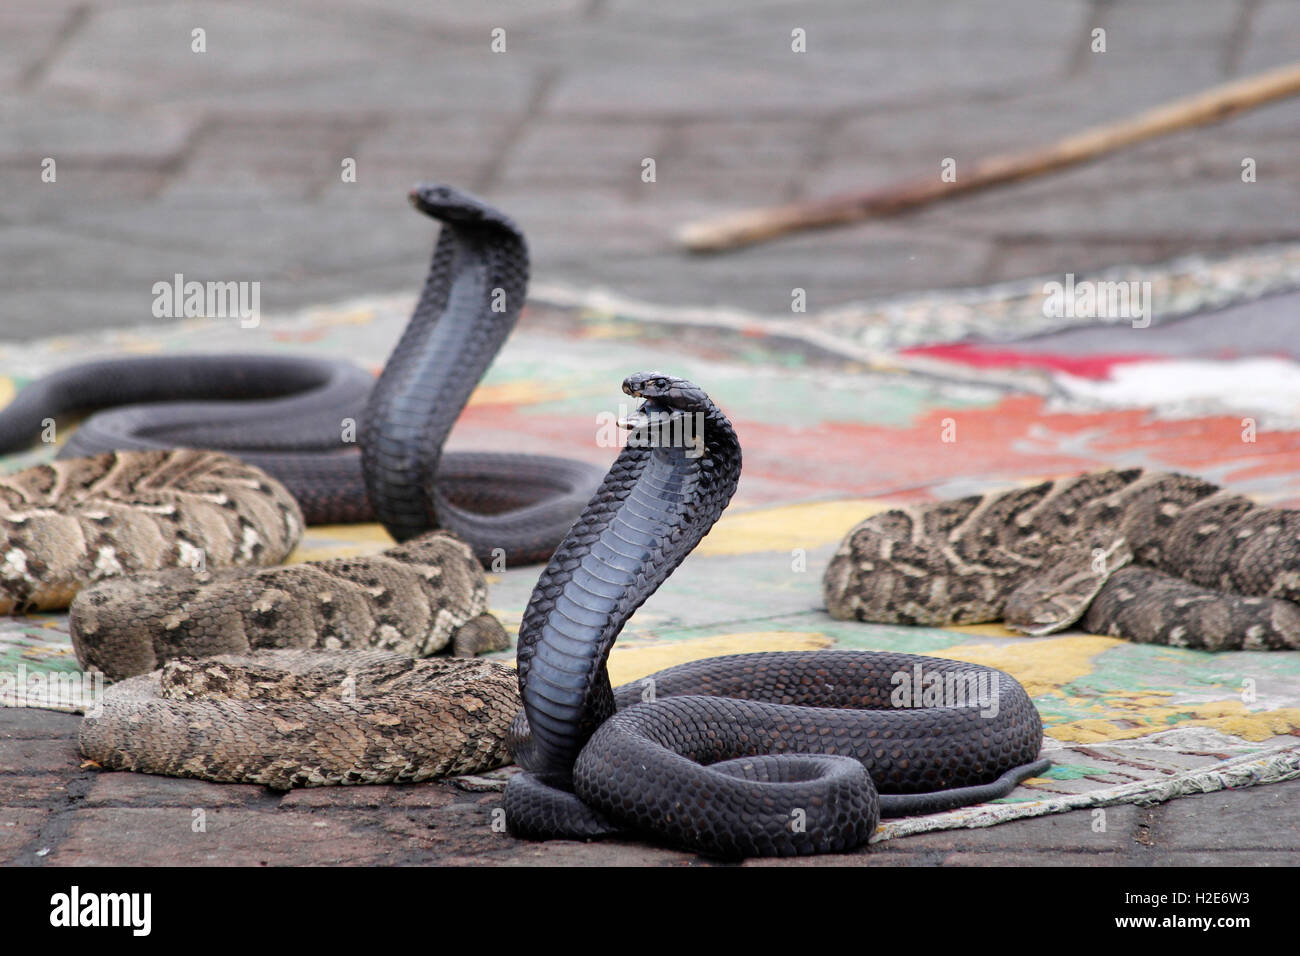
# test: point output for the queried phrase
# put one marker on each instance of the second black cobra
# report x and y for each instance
(288, 414)
(769, 754)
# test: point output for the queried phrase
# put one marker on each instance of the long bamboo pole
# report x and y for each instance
(1211, 106)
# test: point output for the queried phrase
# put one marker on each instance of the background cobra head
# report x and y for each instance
(666, 390)
(448, 204)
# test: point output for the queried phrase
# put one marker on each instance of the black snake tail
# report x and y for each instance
(286, 414)
(281, 413)
(753, 754)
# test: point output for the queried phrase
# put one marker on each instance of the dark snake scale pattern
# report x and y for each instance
(770, 754)
(286, 414)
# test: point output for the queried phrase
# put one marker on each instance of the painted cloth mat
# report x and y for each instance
(826, 442)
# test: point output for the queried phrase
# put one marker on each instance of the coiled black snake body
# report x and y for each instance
(753, 754)
(296, 426)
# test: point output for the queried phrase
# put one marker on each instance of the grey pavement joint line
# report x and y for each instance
(1142, 840)
(491, 176)
(54, 828)
(1235, 48)
(175, 164)
(1094, 18)
(828, 127)
(77, 16)
(357, 135)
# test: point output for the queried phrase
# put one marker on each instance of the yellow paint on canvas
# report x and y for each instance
(1228, 716)
(512, 393)
(603, 326)
(340, 541)
(808, 525)
(1043, 664)
(1233, 718)
(140, 346)
(987, 630)
(533, 393)
(358, 316)
(630, 661)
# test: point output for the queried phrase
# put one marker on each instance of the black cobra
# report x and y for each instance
(769, 754)
(289, 415)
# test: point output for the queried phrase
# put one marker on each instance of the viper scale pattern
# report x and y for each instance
(1150, 556)
(306, 718)
(417, 598)
(723, 756)
(66, 524)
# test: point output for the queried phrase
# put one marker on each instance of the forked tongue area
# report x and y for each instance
(652, 417)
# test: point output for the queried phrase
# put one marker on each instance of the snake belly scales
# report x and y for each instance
(755, 754)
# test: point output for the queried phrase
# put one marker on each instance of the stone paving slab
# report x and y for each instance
(149, 820)
(228, 162)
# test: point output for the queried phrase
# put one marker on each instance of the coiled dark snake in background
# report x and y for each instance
(754, 754)
(286, 415)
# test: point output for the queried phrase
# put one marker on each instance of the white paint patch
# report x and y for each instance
(166, 510)
(15, 565)
(190, 556)
(106, 562)
(387, 637)
(248, 546)
(445, 621)
(1267, 388)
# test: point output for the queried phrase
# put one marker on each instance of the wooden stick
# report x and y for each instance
(1211, 106)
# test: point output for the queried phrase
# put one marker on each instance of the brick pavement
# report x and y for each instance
(226, 164)
(56, 814)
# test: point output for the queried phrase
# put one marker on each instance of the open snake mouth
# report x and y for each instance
(669, 415)
(651, 414)
(657, 425)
